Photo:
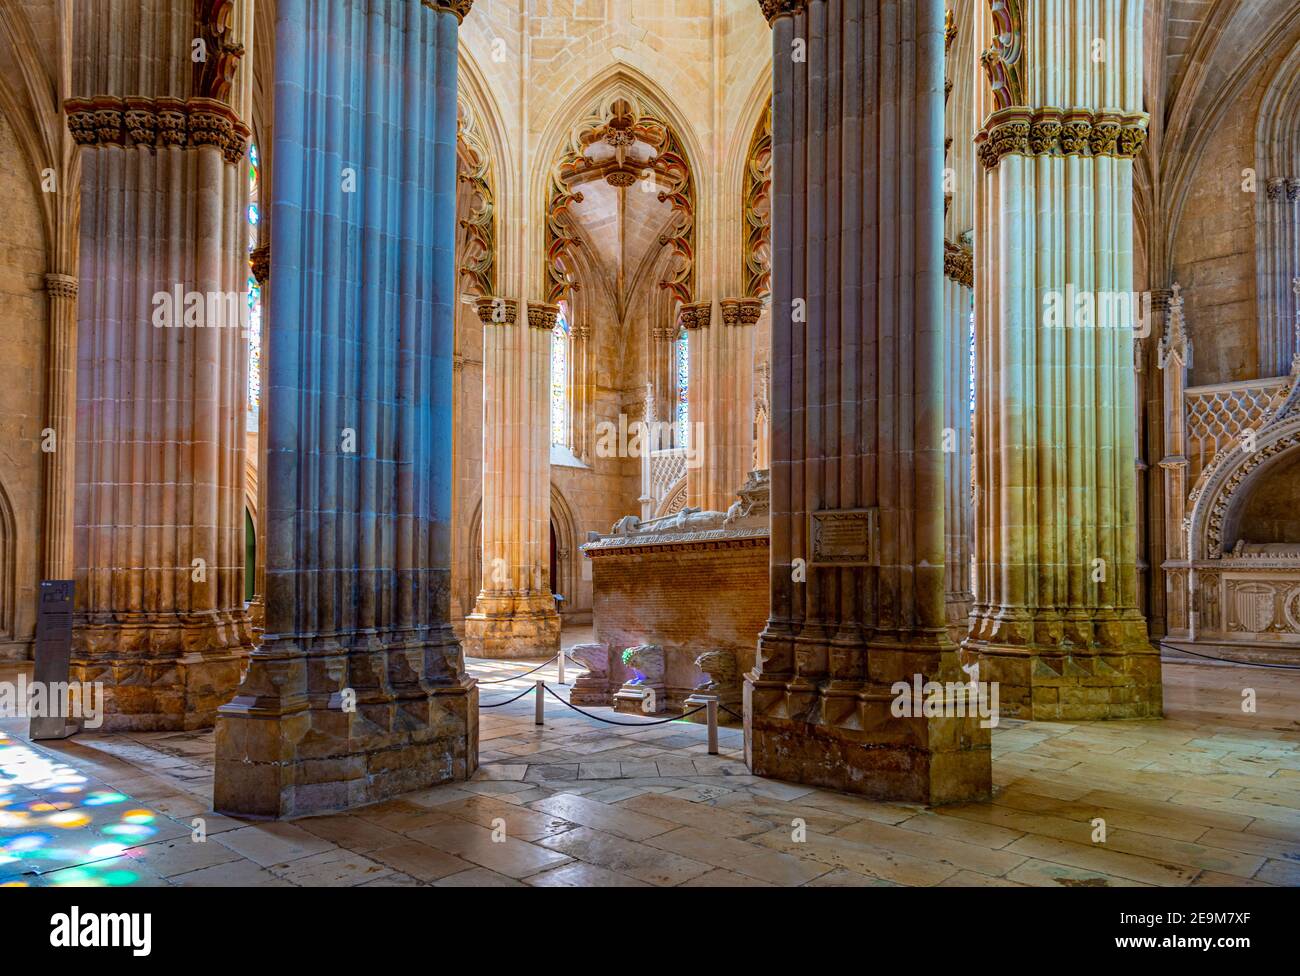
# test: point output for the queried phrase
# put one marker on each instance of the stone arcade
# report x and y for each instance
(915, 381)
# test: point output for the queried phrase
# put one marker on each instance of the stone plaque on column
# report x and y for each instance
(844, 537)
(53, 654)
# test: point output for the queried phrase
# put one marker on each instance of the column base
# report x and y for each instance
(513, 627)
(1116, 676)
(847, 736)
(289, 746)
(161, 673)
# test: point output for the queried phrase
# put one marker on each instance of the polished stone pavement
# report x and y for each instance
(1209, 796)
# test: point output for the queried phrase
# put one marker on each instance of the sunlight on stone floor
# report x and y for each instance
(1210, 796)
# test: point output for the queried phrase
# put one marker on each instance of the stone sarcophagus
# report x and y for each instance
(694, 584)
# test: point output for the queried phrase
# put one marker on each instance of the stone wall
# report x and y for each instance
(23, 320)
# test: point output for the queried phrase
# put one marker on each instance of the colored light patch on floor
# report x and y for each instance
(58, 825)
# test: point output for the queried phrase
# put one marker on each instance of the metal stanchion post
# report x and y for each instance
(712, 715)
(539, 716)
(561, 661)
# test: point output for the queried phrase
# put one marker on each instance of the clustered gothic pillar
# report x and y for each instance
(358, 691)
(857, 524)
(1056, 619)
(515, 616)
(721, 398)
(58, 513)
(159, 537)
(1279, 265)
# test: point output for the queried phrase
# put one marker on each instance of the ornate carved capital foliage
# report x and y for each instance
(542, 315)
(757, 260)
(959, 263)
(741, 311)
(1275, 188)
(1053, 131)
(494, 310)
(259, 260)
(696, 315)
(773, 9)
(214, 26)
(106, 120)
(477, 260)
(1003, 62)
(60, 285)
(458, 7)
(1292, 191)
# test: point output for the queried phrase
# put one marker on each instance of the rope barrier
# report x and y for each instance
(634, 725)
(730, 712)
(1228, 660)
(526, 691)
(513, 677)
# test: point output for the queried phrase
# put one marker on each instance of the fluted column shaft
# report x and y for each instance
(857, 503)
(1056, 619)
(721, 400)
(161, 370)
(958, 515)
(514, 615)
(358, 691)
(1279, 266)
(58, 513)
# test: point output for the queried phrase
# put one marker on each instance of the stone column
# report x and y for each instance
(159, 538)
(1056, 619)
(857, 510)
(958, 514)
(358, 691)
(721, 399)
(58, 514)
(1280, 263)
(515, 616)
(260, 259)
(1174, 359)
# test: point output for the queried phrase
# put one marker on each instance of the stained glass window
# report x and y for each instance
(254, 291)
(560, 381)
(683, 352)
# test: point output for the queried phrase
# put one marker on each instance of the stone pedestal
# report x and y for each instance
(857, 499)
(358, 692)
(592, 687)
(645, 692)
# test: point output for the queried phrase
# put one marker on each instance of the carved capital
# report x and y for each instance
(542, 315)
(106, 120)
(741, 311)
(1292, 191)
(260, 262)
(60, 285)
(772, 9)
(458, 7)
(959, 264)
(494, 310)
(696, 315)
